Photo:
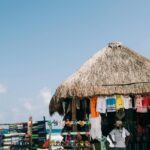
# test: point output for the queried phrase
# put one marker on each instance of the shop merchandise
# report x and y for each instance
(103, 143)
(104, 111)
(101, 104)
(104, 124)
(127, 102)
(139, 104)
(95, 131)
(119, 102)
(1, 140)
(93, 103)
(111, 104)
(146, 101)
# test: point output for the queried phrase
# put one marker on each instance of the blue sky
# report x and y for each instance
(42, 42)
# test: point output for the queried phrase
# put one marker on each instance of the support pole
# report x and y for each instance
(73, 108)
(50, 132)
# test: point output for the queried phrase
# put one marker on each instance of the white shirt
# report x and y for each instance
(101, 104)
(120, 135)
(127, 102)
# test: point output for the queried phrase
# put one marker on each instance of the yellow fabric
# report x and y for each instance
(119, 102)
(93, 102)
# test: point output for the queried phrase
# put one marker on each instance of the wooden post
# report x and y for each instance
(50, 132)
(73, 108)
(84, 108)
(29, 128)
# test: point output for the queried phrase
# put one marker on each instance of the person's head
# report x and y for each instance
(119, 124)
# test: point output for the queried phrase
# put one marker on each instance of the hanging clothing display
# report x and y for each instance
(111, 104)
(119, 102)
(139, 104)
(101, 104)
(95, 131)
(146, 101)
(1, 140)
(103, 143)
(104, 124)
(127, 102)
(93, 103)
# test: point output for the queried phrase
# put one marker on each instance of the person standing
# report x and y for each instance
(119, 136)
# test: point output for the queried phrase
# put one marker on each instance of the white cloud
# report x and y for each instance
(1, 117)
(3, 89)
(45, 94)
(26, 103)
(28, 106)
(35, 106)
(15, 110)
(16, 114)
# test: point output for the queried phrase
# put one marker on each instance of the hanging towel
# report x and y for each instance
(139, 104)
(146, 101)
(101, 104)
(127, 102)
(95, 131)
(93, 102)
(119, 102)
(111, 104)
(103, 143)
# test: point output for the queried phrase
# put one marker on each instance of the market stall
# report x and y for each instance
(113, 84)
(23, 135)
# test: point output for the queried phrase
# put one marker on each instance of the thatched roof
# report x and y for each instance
(115, 69)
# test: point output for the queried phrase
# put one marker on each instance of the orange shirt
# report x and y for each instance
(93, 102)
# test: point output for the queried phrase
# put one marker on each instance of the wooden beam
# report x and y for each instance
(73, 108)
(84, 108)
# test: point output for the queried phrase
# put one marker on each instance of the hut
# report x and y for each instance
(114, 70)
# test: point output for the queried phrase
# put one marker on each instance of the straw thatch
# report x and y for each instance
(115, 69)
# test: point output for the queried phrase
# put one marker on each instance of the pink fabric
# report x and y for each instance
(139, 105)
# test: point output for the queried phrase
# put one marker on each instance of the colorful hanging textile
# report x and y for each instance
(103, 143)
(139, 104)
(127, 102)
(95, 131)
(119, 102)
(93, 102)
(146, 101)
(101, 104)
(111, 104)
(1, 140)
